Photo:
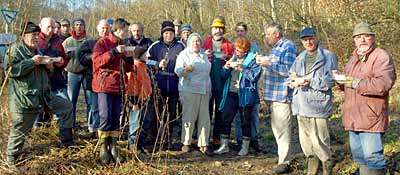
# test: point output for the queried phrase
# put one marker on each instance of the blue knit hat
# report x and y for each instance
(186, 27)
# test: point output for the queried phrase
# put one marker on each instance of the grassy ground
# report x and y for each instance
(41, 155)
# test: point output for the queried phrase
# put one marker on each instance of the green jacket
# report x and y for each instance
(29, 87)
(70, 46)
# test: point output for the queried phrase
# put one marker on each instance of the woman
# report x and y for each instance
(193, 69)
(241, 74)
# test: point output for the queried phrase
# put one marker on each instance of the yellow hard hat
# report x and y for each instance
(218, 23)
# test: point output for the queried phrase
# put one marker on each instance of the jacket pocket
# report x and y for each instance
(29, 99)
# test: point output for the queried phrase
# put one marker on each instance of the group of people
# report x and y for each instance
(203, 80)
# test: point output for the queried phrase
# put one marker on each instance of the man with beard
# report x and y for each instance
(368, 77)
(218, 50)
(138, 39)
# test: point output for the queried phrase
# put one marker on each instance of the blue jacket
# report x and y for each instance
(248, 82)
(315, 100)
(167, 80)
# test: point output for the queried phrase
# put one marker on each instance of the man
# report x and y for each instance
(369, 76)
(241, 31)
(177, 28)
(65, 29)
(276, 70)
(165, 51)
(311, 79)
(186, 31)
(109, 57)
(84, 53)
(75, 70)
(218, 50)
(29, 93)
(50, 44)
(138, 39)
(57, 28)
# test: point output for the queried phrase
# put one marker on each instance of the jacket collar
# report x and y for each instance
(319, 62)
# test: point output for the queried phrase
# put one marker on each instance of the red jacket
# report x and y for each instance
(227, 47)
(107, 65)
(139, 83)
(54, 48)
(365, 108)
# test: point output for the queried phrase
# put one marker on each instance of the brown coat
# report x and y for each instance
(365, 108)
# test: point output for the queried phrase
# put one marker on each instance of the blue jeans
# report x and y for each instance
(254, 125)
(367, 149)
(110, 107)
(74, 86)
(93, 118)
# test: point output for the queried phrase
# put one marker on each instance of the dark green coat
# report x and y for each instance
(29, 87)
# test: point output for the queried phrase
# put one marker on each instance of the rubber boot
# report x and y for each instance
(312, 165)
(327, 167)
(224, 148)
(66, 138)
(115, 152)
(105, 155)
(245, 146)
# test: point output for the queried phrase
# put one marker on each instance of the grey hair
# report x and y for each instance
(102, 21)
(45, 19)
(138, 24)
(276, 27)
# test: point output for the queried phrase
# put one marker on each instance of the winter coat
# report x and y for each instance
(365, 107)
(107, 64)
(167, 80)
(217, 64)
(29, 87)
(316, 99)
(85, 54)
(248, 82)
(139, 83)
(54, 48)
(198, 81)
(74, 65)
(145, 43)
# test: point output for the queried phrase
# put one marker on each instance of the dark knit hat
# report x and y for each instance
(167, 26)
(80, 20)
(29, 27)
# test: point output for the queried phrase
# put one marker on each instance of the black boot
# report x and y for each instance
(115, 152)
(254, 144)
(105, 155)
(66, 138)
